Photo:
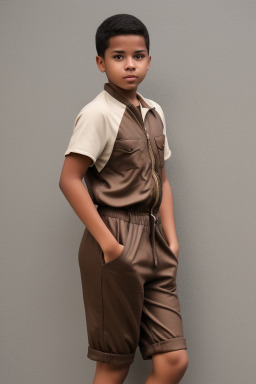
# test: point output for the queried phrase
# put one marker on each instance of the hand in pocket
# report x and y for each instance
(175, 251)
(115, 252)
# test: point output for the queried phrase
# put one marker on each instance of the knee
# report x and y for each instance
(110, 373)
(178, 360)
(169, 367)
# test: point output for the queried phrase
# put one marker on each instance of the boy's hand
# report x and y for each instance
(175, 250)
(115, 252)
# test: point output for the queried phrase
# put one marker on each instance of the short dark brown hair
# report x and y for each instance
(120, 24)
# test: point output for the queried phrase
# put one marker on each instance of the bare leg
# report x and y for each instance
(168, 367)
(110, 373)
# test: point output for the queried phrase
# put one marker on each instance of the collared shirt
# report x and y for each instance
(128, 147)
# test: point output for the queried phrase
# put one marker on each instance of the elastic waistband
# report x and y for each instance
(135, 216)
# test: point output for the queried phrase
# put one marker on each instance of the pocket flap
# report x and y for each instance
(160, 140)
(127, 145)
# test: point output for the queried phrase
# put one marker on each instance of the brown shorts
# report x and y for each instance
(130, 301)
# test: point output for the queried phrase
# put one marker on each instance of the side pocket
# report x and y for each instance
(160, 230)
(122, 254)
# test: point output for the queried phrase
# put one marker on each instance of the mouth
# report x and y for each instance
(130, 77)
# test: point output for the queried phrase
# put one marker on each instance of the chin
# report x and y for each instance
(126, 86)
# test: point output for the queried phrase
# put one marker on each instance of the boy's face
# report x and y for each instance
(133, 60)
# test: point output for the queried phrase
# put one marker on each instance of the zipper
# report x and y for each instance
(157, 189)
(154, 173)
(157, 184)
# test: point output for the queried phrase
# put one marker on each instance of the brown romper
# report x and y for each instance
(132, 300)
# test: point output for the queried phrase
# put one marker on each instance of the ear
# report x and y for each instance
(100, 63)
(149, 61)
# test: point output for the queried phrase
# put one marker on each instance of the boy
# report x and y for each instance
(128, 255)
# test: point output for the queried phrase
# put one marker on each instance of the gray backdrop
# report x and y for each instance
(203, 75)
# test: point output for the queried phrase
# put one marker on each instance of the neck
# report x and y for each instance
(130, 95)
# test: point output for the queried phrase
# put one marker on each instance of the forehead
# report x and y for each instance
(127, 42)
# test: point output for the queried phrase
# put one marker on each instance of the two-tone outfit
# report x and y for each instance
(132, 300)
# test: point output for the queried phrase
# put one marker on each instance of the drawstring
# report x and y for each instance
(152, 221)
(130, 219)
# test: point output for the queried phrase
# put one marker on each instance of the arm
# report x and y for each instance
(167, 215)
(74, 168)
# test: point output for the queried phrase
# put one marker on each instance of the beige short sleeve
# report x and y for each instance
(90, 134)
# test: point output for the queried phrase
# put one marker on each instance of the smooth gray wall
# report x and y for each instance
(203, 74)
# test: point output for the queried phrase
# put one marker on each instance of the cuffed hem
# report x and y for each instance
(113, 358)
(163, 346)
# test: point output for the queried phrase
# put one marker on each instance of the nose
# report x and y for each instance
(129, 64)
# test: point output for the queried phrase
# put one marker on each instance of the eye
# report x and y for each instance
(117, 56)
(140, 56)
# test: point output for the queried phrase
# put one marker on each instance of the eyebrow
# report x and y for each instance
(138, 51)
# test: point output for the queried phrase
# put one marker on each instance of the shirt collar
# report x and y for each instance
(125, 101)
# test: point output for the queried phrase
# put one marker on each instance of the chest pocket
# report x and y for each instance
(126, 154)
(160, 141)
